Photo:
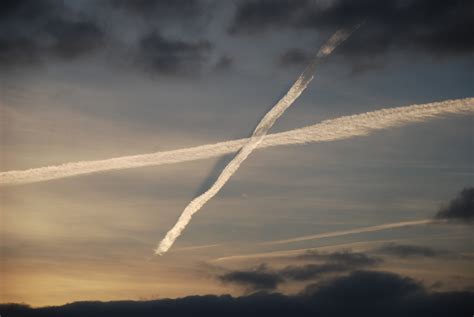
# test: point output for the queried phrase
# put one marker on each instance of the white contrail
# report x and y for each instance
(353, 231)
(257, 137)
(329, 130)
(385, 226)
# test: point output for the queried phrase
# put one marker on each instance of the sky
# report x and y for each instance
(88, 80)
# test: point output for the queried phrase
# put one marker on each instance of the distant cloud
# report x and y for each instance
(162, 8)
(407, 251)
(360, 287)
(260, 278)
(225, 62)
(461, 208)
(34, 31)
(312, 271)
(265, 278)
(433, 27)
(37, 32)
(159, 54)
(366, 293)
(347, 258)
(294, 57)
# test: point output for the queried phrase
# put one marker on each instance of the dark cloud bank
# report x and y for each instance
(409, 251)
(265, 278)
(158, 54)
(461, 208)
(35, 32)
(362, 293)
(435, 27)
(32, 31)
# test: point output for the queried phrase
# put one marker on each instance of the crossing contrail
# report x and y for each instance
(257, 137)
(330, 130)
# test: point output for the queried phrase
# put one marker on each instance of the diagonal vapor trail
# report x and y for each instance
(385, 226)
(331, 234)
(329, 130)
(257, 137)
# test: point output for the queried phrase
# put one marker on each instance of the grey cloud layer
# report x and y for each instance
(34, 32)
(37, 32)
(435, 27)
(157, 54)
(407, 251)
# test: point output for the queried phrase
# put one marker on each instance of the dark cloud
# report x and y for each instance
(347, 258)
(407, 251)
(460, 208)
(158, 54)
(311, 271)
(336, 262)
(34, 31)
(362, 293)
(258, 16)
(193, 15)
(162, 8)
(265, 278)
(381, 286)
(225, 62)
(433, 26)
(294, 57)
(260, 278)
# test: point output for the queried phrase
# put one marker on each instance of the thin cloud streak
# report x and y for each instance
(353, 231)
(198, 247)
(329, 130)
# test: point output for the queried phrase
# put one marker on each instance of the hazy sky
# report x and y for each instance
(85, 80)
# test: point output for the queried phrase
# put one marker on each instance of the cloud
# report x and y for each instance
(257, 16)
(225, 62)
(408, 251)
(366, 293)
(37, 32)
(312, 271)
(347, 258)
(265, 278)
(336, 262)
(294, 57)
(260, 278)
(460, 208)
(379, 286)
(34, 31)
(433, 27)
(164, 8)
(159, 54)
